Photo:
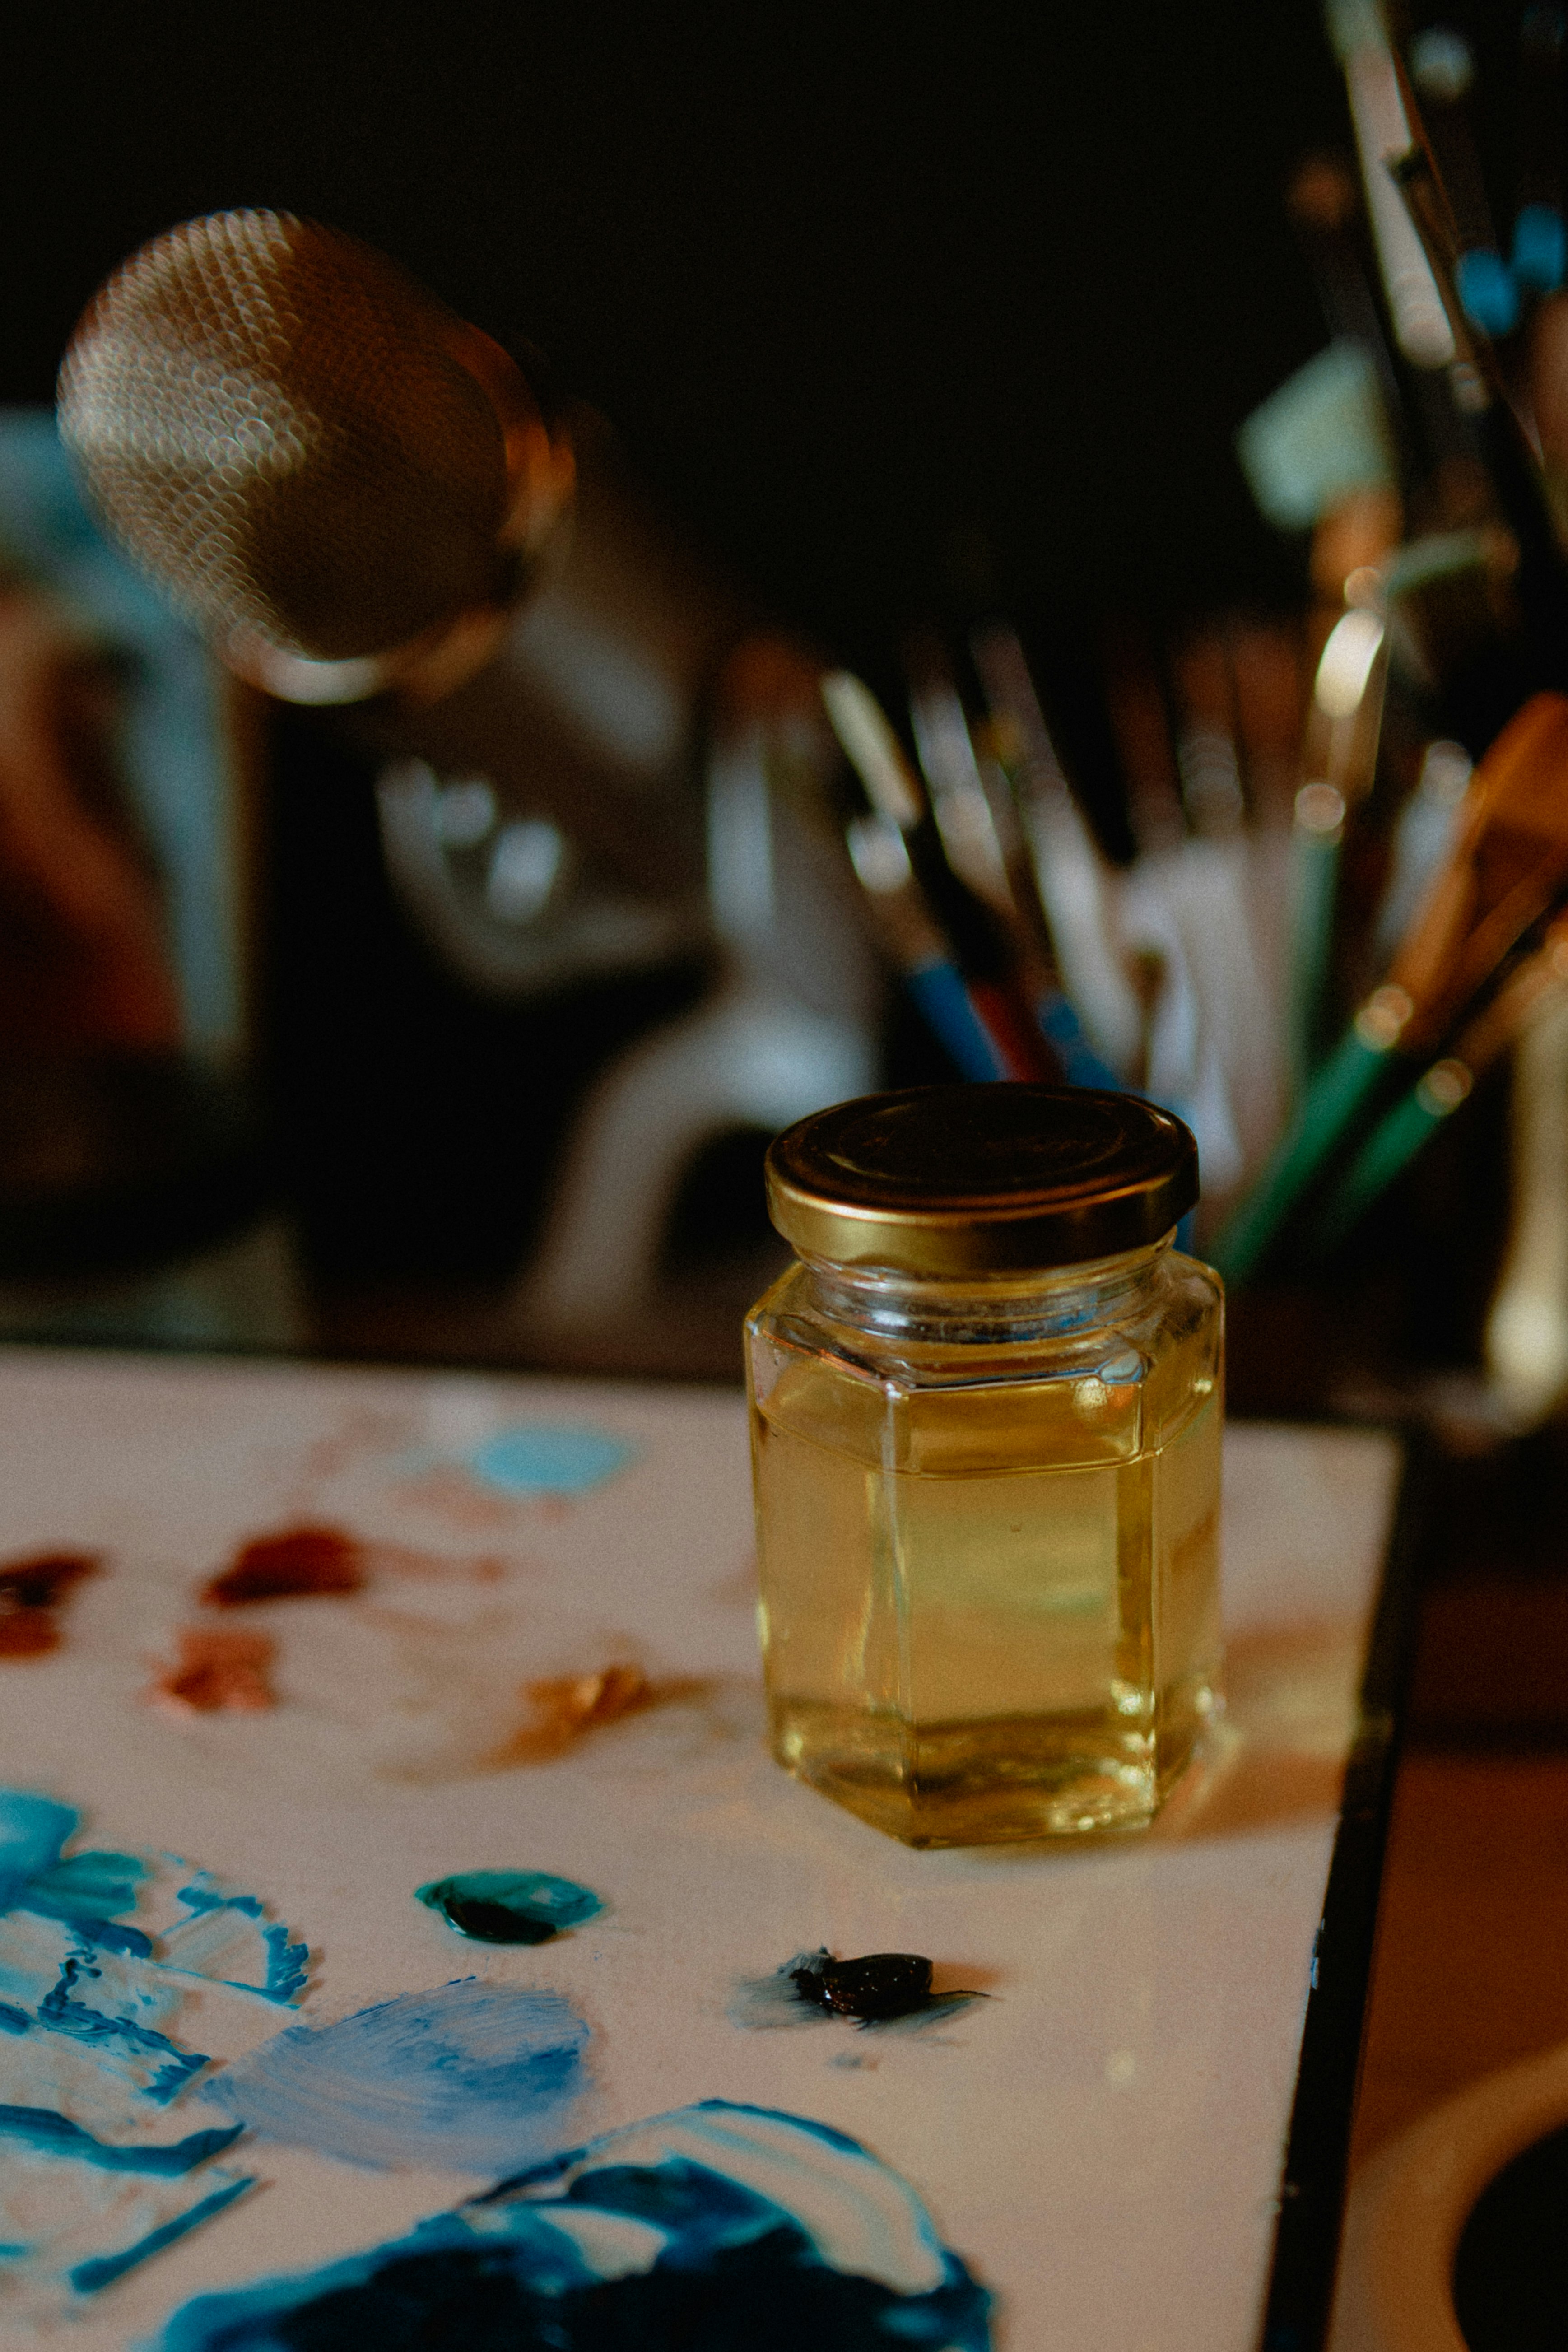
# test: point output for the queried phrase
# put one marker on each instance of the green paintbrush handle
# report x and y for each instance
(1390, 1149)
(1334, 1100)
(1314, 875)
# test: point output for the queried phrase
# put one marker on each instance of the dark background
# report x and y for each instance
(905, 313)
(900, 309)
(867, 292)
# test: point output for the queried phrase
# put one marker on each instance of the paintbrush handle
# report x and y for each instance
(1332, 1103)
(1064, 1032)
(1391, 1148)
(940, 996)
(1313, 888)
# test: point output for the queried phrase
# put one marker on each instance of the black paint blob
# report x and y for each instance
(882, 1984)
(882, 1992)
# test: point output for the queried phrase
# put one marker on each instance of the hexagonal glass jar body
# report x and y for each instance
(988, 1531)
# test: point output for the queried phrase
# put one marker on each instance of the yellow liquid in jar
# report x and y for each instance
(990, 1609)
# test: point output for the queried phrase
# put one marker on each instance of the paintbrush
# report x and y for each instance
(1540, 580)
(1339, 760)
(1323, 205)
(1507, 864)
(908, 936)
(981, 833)
(1531, 993)
(1070, 872)
(1420, 320)
(1442, 69)
(939, 935)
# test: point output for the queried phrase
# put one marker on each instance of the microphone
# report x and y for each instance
(357, 498)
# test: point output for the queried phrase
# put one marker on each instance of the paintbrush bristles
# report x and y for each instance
(1510, 862)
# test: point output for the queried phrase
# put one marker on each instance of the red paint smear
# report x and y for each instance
(31, 1591)
(292, 1565)
(215, 1672)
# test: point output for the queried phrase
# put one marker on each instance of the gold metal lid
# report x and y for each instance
(981, 1179)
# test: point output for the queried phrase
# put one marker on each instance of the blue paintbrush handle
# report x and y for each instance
(943, 1002)
(1062, 1029)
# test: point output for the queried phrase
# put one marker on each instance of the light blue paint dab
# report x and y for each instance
(802, 2235)
(473, 2076)
(543, 1459)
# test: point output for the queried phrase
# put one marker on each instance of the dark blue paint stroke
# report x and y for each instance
(544, 1460)
(120, 2035)
(288, 1964)
(13, 2020)
(509, 1906)
(56, 2135)
(102, 2270)
(473, 2076)
(32, 1831)
(671, 2254)
(200, 1895)
(94, 1935)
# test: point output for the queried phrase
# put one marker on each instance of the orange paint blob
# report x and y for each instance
(564, 1710)
(215, 1672)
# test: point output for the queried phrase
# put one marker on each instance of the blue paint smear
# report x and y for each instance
(472, 2076)
(102, 2270)
(171, 2067)
(98, 1950)
(714, 2227)
(509, 1906)
(285, 1965)
(56, 2135)
(87, 1887)
(544, 1460)
(69, 2228)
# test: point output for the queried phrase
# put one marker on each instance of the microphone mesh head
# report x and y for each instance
(270, 418)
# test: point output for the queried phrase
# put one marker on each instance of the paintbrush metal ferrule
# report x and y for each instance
(872, 748)
(1422, 327)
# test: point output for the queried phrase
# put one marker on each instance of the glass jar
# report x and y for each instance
(985, 1421)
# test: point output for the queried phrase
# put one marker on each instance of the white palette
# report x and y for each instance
(1100, 2140)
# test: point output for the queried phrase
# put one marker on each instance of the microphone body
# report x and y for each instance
(357, 499)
